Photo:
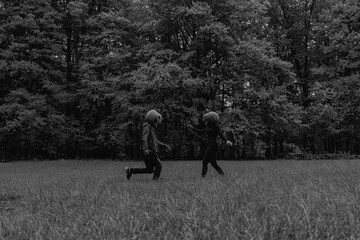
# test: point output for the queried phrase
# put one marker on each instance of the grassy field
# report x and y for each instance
(255, 200)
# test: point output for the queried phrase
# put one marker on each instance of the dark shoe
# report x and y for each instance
(157, 172)
(128, 173)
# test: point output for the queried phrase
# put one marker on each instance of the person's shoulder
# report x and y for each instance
(217, 127)
(146, 125)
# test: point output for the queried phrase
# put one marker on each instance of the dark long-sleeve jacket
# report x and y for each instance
(149, 138)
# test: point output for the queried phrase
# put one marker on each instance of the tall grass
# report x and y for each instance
(255, 200)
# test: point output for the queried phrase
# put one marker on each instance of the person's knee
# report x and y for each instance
(150, 169)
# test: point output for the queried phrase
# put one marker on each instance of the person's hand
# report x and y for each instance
(146, 152)
(229, 143)
(168, 148)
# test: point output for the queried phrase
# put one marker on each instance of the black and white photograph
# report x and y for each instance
(180, 119)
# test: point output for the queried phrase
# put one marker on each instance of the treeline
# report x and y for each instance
(77, 77)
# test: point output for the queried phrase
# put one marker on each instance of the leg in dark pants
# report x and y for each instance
(204, 169)
(210, 154)
(153, 165)
(210, 157)
(217, 167)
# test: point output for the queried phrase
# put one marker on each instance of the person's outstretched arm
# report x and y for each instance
(222, 136)
(196, 129)
(164, 145)
(144, 139)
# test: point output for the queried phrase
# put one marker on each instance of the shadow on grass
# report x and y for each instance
(9, 198)
(7, 202)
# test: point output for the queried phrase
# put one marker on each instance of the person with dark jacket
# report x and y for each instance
(150, 147)
(212, 130)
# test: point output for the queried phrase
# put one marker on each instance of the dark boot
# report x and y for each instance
(204, 169)
(128, 173)
(157, 172)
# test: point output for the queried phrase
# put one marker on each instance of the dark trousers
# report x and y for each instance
(153, 165)
(210, 157)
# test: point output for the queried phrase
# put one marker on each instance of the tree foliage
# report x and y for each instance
(77, 77)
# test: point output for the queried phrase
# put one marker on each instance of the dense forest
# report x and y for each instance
(77, 77)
